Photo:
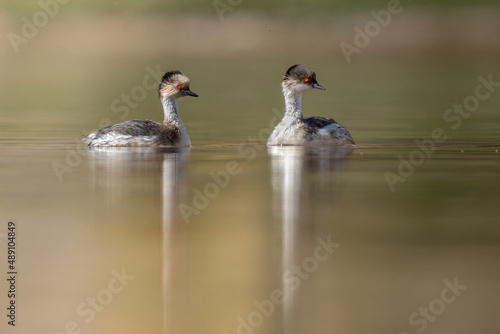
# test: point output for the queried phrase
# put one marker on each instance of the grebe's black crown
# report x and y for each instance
(168, 76)
(299, 72)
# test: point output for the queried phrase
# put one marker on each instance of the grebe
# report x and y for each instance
(294, 129)
(171, 132)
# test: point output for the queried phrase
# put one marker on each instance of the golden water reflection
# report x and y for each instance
(289, 165)
(166, 167)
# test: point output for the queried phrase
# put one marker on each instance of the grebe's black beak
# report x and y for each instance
(190, 93)
(317, 86)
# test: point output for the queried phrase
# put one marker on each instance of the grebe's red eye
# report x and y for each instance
(178, 86)
(306, 79)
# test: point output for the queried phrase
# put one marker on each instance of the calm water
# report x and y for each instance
(393, 236)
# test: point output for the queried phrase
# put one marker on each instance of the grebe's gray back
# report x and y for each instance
(171, 132)
(294, 129)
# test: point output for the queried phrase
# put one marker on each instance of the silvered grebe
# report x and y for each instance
(294, 129)
(171, 132)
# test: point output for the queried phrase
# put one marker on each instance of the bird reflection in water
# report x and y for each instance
(297, 173)
(125, 171)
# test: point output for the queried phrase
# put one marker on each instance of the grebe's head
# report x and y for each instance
(174, 85)
(300, 78)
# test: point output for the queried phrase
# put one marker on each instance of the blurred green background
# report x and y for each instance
(271, 8)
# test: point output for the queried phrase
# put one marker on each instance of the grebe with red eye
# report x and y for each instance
(171, 132)
(294, 129)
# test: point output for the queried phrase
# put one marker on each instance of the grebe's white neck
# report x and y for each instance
(171, 116)
(293, 104)
(170, 110)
